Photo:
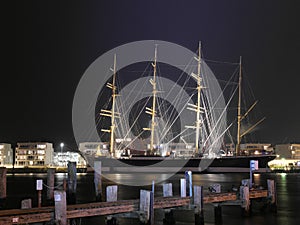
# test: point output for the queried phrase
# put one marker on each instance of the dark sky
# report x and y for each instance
(57, 40)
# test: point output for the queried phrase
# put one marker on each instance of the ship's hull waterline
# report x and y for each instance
(175, 165)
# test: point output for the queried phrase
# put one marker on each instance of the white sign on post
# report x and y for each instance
(254, 165)
(39, 185)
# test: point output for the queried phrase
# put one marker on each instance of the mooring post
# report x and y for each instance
(98, 180)
(3, 172)
(189, 183)
(245, 197)
(169, 217)
(60, 207)
(50, 184)
(65, 185)
(272, 194)
(198, 202)
(72, 182)
(39, 188)
(218, 214)
(146, 207)
(26, 204)
(111, 196)
(182, 188)
(112, 193)
(167, 190)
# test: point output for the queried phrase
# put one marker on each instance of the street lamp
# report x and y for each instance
(61, 149)
(61, 146)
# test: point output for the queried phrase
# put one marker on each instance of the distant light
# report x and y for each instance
(62, 145)
(41, 146)
(1, 146)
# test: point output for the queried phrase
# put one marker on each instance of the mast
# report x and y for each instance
(197, 108)
(151, 111)
(239, 116)
(112, 113)
(154, 91)
(198, 121)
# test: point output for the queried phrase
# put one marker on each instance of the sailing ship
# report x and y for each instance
(160, 147)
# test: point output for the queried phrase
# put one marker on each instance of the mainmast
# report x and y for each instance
(152, 110)
(197, 108)
(239, 116)
(112, 113)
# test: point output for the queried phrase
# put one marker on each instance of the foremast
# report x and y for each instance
(112, 113)
(197, 107)
(152, 110)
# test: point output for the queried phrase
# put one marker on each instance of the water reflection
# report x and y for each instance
(20, 186)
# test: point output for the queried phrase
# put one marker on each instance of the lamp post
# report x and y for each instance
(61, 149)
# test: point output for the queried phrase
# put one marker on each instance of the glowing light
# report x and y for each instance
(1, 146)
(41, 146)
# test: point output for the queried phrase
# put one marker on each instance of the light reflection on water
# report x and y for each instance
(21, 186)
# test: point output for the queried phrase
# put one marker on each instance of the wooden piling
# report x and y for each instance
(147, 207)
(182, 188)
(98, 180)
(189, 183)
(3, 172)
(167, 190)
(72, 182)
(245, 197)
(169, 217)
(65, 185)
(198, 202)
(218, 214)
(26, 204)
(39, 188)
(50, 184)
(112, 193)
(272, 195)
(60, 207)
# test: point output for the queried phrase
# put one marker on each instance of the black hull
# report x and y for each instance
(202, 165)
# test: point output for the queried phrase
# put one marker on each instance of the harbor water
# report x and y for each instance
(22, 186)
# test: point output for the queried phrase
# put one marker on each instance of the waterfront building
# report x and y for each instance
(6, 154)
(62, 158)
(288, 151)
(94, 148)
(288, 157)
(34, 154)
(252, 148)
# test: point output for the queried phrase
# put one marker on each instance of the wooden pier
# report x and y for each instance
(46, 214)
(192, 198)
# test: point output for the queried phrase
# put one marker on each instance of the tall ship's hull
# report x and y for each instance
(230, 164)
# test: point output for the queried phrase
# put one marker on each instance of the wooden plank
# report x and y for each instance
(258, 194)
(170, 202)
(25, 219)
(219, 197)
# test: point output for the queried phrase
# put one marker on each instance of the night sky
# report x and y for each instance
(56, 41)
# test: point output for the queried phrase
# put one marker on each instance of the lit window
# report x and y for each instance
(1, 146)
(41, 146)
